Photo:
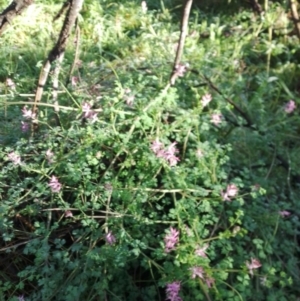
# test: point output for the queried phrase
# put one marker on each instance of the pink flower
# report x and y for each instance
(172, 291)
(68, 213)
(88, 113)
(290, 106)
(49, 156)
(24, 126)
(171, 239)
(110, 238)
(74, 81)
(201, 251)
(197, 271)
(231, 191)
(216, 118)
(284, 213)
(254, 264)
(86, 108)
(15, 158)
(128, 97)
(199, 153)
(206, 99)
(144, 7)
(181, 69)
(54, 184)
(156, 146)
(167, 154)
(28, 114)
(10, 84)
(209, 281)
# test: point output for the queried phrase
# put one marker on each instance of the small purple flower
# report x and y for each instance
(216, 118)
(86, 108)
(10, 84)
(144, 7)
(201, 251)
(24, 126)
(172, 291)
(54, 185)
(284, 213)
(290, 106)
(14, 158)
(199, 153)
(171, 239)
(168, 154)
(206, 99)
(21, 298)
(110, 238)
(197, 271)
(156, 146)
(88, 113)
(74, 81)
(49, 156)
(231, 191)
(68, 213)
(181, 69)
(28, 114)
(254, 264)
(209, 281)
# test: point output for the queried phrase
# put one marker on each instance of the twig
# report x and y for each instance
(183, 33)
(236, 107)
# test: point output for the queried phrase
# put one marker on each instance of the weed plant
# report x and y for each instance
(135, 190)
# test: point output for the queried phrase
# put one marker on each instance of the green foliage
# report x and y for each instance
(103, 233)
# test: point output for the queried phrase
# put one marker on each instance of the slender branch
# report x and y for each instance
(183, 33)
(236, 107)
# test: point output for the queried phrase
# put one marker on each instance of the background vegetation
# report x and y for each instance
(135, 190)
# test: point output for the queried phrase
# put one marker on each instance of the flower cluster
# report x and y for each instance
(254, 264)
(199, 272)
(166, 153)
(28, 114)
(171, 239)
(290, 106)
(200, 251)
(49, 156)
(128, 97)
(110, 238)
(172, 291)
(89, 113)
(206, 99)
(284, 213)
(14, 158)
(216, 118)
(54, 185)
(231, 191)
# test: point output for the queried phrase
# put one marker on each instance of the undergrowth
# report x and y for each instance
(132, 189)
